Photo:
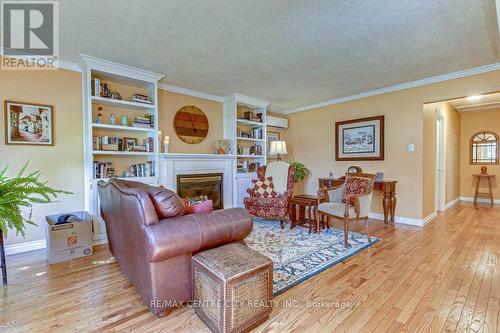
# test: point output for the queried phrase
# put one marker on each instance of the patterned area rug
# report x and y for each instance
(298, 255)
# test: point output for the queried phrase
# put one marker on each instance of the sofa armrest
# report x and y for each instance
(192, 233)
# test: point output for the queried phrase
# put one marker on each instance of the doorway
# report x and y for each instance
(440, 196)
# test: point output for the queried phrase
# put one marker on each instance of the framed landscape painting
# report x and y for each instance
(360, 139)
(29, 124)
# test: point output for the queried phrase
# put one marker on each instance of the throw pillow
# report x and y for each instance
(201, 207)
(264, 188)
(355, 185)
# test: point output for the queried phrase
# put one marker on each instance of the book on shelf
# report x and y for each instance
(140, 98)
(254, 133)
(244, 166)
(107, 143)
(99, 88)
(103, 170)
(144, 122)
(142, 169)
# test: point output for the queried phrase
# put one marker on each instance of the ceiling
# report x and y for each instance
(490, 102)
(289, 52)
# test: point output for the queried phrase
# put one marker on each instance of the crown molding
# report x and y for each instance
(119, 69)
(398, 87)
(190, 92)
(70, 66)
(243, 99)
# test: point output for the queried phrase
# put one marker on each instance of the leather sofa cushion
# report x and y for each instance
(197, 232)
(166, 202)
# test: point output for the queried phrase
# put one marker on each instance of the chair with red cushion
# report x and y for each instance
(266, 204)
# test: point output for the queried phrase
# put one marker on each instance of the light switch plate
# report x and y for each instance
(411, 147)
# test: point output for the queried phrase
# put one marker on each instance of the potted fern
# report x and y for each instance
(18, 194)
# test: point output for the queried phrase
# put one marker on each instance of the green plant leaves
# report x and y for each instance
(22, 191)
(301, 172)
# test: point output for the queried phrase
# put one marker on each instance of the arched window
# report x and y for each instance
(484, 148)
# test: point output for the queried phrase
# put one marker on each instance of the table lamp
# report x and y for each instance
(278, 148)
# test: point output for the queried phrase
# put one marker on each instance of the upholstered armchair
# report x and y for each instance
(350, 201)
(273, 207)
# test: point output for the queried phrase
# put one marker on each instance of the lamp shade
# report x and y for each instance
(278, 147)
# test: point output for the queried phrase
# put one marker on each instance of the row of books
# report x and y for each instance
(108, 143)
(143, 169)
(147, 121)
(247, 166)
(103, 170)
(100, 88)
(254, 133)
(106, 170)
(253, 150)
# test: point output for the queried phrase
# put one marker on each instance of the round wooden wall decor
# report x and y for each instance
(191, 124)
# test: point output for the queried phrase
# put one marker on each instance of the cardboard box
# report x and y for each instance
(69, 240)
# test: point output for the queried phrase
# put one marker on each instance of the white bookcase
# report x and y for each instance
(240, 132)
(127, 81)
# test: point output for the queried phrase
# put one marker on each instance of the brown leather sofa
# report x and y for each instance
(155, 253)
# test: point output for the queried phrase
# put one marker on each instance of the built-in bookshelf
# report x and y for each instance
(121, 125)
(245, 128)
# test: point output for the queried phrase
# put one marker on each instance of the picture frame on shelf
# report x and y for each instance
(29, 124)
(360, 139)
(129, 143)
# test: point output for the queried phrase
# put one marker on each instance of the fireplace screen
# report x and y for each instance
(199, 185)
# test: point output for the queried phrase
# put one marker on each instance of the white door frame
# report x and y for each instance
(440, 166)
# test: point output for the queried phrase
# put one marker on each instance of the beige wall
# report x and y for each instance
(62, 164)
(169, 103)
(473, 122)
(452, 132)
(312, 136)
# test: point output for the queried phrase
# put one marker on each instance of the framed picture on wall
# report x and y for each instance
(360, 139)
(29, 124)
(272, 136)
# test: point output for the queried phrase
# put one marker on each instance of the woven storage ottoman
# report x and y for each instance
(233, 287)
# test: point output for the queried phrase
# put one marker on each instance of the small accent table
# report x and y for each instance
(307, 205)
(489, 194)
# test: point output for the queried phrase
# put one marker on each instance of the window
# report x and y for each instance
(484, 148)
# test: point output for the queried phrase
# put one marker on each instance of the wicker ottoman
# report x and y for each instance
(233, 287)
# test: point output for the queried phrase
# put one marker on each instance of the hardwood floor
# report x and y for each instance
(444, 277)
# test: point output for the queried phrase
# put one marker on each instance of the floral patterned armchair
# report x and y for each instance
(273, 207)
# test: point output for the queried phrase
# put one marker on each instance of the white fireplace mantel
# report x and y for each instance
(173, 164)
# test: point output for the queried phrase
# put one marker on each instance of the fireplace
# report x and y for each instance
(206, 184)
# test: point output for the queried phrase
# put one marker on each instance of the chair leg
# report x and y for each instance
(346, 231)
(282, 223)
(367, 230)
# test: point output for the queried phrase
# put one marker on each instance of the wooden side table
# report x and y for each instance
(489, 194)
(308, 208)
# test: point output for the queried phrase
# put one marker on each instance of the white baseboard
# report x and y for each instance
(453, 202)
(399, 219)
(429, 218)
(25, 247)
(482, 200)
(41, 244)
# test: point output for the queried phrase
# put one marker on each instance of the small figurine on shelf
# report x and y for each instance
(222, 147)
(98, 119)
(112, 119)
(124, 120)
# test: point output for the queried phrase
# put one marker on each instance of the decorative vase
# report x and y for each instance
(124, 120)
(484, 170)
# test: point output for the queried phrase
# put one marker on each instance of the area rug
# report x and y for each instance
(298, 255)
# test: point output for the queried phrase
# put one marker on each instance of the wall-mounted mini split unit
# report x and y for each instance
(277, 122)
